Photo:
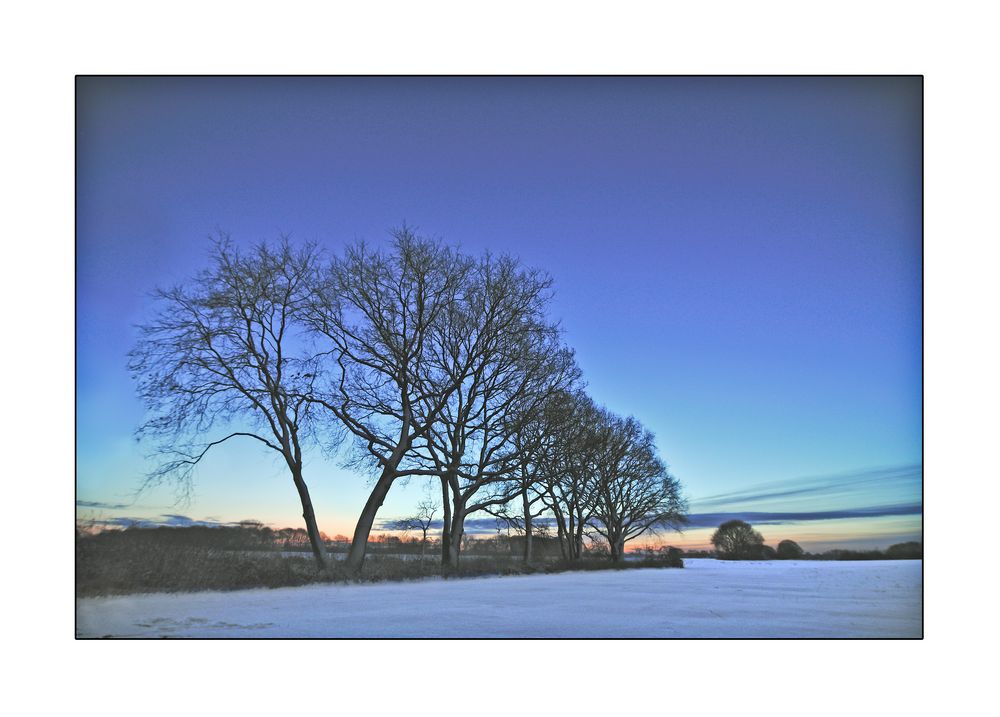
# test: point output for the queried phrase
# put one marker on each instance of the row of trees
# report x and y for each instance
(737, 540)
(428, 361)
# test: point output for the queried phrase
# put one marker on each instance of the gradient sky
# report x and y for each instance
(737, 263)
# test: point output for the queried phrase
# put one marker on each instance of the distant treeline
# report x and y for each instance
(912, 550)
(252, 535)
(737, 540)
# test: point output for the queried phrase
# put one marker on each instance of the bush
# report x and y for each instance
(789, 550)
(766, 552)
(905, 551)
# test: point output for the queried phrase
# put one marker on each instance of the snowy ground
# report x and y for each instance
(707, 598)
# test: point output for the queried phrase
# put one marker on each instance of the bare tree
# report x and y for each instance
(537, 441)
(421, 520)
(522, 510)
(567, 467)
(220, 353)
(424, 518)
(634, 492)
(503, 359)
(377, 311)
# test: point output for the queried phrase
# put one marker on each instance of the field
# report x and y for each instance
(707, 598)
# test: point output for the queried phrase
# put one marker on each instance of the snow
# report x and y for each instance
(707, 598)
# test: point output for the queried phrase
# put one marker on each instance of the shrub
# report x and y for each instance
(905, 551)
(766, 552)
(789, 550)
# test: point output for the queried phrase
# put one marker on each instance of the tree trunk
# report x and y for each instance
(561, 533)
(445, 525)
(616, 544)
(455, 545)
(318, 549)
(527, 525)
(581, 524)
(571, 537)
(457, 531)
(359, 544)
(577, 539)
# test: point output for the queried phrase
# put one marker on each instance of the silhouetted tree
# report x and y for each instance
(533, 439)
(634, 492)
(789, 550)
(220, 353)
(378, 312)
(504, 359)
(421, 520)
(737, 540)
(568, 466)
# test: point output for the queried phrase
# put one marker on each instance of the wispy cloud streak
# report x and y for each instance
(161, 521)
(857, 487)
(713, 520)
(100, 504)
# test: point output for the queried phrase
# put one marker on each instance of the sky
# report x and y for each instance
(737, 263)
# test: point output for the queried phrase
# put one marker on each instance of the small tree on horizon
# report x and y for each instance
(789, 550)
(737, 540)
(422, 520)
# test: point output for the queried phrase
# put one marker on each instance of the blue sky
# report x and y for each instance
(737, 262)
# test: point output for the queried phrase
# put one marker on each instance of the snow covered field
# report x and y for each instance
(707, 598)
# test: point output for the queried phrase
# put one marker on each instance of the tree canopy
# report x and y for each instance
(737, 540)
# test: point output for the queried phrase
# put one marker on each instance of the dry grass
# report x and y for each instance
(118, 566)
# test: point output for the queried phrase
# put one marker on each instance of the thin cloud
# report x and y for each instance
(99, 504)
(904, 479)
(174, 520)
(713, 520)
(161, 521)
